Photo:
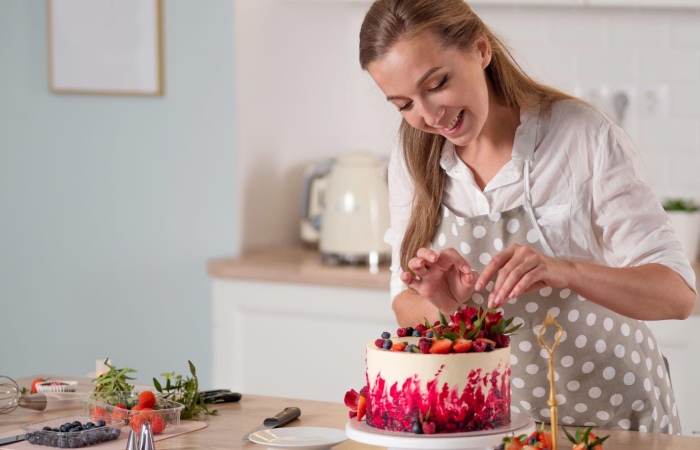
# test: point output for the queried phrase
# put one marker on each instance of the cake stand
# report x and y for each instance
(476, 440)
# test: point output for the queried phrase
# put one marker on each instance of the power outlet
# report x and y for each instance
(653, 101)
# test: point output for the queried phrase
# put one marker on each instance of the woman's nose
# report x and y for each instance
(433, 116)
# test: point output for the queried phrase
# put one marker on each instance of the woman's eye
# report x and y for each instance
(405, 107)
(440, 85)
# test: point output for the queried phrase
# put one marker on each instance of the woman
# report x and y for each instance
(509, 194)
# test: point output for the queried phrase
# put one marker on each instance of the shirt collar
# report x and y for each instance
(523, 148)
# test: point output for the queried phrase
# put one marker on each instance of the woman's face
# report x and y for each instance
(436, 89)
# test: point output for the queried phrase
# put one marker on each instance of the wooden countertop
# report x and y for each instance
(225, 430)
(297, 265)
(302, 265)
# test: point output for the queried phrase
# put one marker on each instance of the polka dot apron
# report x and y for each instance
(609, 371)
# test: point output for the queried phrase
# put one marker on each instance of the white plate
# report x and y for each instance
(312, 438)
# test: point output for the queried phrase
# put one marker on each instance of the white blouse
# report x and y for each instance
(587, 190)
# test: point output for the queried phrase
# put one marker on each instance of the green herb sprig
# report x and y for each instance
(114, 379)
(184, 390)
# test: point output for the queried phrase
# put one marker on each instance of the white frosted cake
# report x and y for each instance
(445, 378)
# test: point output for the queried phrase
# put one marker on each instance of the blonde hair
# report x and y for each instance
(456, 26)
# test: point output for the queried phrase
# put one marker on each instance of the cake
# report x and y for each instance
(449, 377)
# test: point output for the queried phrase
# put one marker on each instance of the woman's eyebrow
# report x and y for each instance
(418, 83)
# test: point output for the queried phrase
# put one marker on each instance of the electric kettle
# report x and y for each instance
(345, 208)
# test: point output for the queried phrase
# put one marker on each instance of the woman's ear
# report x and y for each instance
(483, 47)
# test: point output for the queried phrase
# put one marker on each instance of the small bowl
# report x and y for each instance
(103, 405)
(37, 435)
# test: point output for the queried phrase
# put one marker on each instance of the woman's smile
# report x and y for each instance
(455, 125)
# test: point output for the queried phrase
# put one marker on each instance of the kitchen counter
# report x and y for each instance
(302, 265)
(225, 430)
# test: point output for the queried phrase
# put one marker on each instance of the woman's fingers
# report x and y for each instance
(450, 257)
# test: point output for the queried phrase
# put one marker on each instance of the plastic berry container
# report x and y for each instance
(104, 405)
(53, 432)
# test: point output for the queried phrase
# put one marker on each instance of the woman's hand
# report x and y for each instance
(519, 269)
(446, 280)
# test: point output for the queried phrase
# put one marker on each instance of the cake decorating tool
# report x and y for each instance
(552, 402)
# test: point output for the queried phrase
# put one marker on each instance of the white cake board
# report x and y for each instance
(477, 440)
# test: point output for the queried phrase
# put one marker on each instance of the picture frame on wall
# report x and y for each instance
(108, 47)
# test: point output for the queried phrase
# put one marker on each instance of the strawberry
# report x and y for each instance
(545, 438)
(147, 399)
(441, 346)
(137, 408)
(34, 383)
(361, 408)
(120, 412)
(486, 341)
(157, 424)
(585, 439)
(147, 413)
(399, 346)
(136, 422)
(428, 427)
(512, 443)
(98, 413)
(462, 345)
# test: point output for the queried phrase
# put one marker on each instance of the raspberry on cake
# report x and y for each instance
(448, 377)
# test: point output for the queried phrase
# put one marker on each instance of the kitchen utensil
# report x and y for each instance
(132, 442)
(12, 439)
(347, 201)
(281, 419)
(48, 401)
(308, 438)
(146, 437)
(220, 396)
(9, 394)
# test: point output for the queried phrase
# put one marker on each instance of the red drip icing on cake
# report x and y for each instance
(457, 392)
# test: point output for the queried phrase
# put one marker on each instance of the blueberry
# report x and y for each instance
(502, 446)
(77, 424)
(56, 430)
(489, 348)
(90, 424)
(429, 334)
(387, 344)
(412, 348)
(100, 423)
(532, 440)
(386, 335)
(115, 433)
(73, 443)
(409, 331)
(417, 333)
(46, 428)
(63, 428)
(417, 428)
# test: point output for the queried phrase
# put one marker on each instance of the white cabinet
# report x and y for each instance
(295, 340)
(679, 342)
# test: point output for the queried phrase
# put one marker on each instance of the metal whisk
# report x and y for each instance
(9, 394)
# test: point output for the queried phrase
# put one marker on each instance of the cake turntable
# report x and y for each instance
(477, 440)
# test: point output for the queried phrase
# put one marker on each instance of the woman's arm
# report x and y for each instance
(646, 292)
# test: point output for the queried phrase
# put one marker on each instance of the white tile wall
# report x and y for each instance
(301, 95)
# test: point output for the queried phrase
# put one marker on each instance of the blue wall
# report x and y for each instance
(110, 206)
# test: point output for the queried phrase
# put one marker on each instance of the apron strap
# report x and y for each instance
(531, 212)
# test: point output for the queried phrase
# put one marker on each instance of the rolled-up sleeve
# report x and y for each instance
(630, 222)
